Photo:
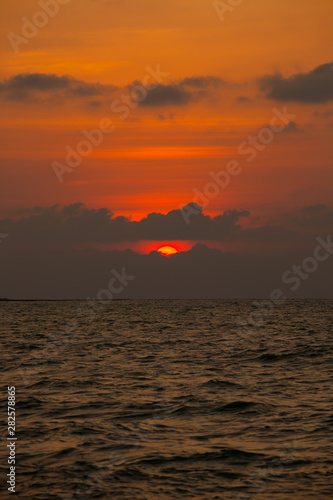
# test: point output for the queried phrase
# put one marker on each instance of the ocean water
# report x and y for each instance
(166, 400)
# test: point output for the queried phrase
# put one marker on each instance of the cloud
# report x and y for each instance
(162, 118)
(200, 273)
(94, 104)
(242, 98)
(77, 224)
(304, 222)
(41, 86)
(181, 93)
(202, 82)
(316, 86)
(48, 254)
(314, 216)
(292, 128)
(30, 85)
(323, 114)
(166, 95)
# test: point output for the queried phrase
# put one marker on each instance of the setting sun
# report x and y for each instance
(166, 251)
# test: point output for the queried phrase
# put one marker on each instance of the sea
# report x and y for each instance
(168, 399)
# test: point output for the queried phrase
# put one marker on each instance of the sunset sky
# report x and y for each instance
(221, 82)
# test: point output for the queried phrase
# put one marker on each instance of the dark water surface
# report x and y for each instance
(165, 400)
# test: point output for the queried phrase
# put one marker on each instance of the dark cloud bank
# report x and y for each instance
(183, 92)
(38, 86)
(30, 85)
(316, 86)
(47, 255)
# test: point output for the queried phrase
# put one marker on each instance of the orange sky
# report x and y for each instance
(155, 157)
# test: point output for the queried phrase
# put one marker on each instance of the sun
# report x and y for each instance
(166, 251)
